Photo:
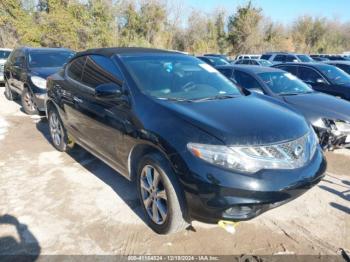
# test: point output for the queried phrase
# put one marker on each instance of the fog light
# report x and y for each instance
(240, 212)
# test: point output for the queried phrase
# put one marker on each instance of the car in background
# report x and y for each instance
(218, 55)
(4, 54)
(197, 147)
(285, 57)
(337, 57)
(319, 58)
(213, 60)
(258, 62)
(329, 115)
(343, 65)
(26, 71)
(321, 77)
(247, 56)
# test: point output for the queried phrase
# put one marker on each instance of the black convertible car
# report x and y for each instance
(197, 146)
(330, 116)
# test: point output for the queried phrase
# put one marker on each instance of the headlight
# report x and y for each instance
(38, 82)
(343, 126)
(251, 159)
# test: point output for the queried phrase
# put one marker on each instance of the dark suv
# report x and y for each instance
(26, 71)
(197, 146)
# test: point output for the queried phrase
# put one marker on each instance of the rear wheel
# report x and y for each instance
(9, 94)
(58, 133)
(28, 102)
(160, 195)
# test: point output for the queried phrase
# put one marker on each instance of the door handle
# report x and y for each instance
(77, 99)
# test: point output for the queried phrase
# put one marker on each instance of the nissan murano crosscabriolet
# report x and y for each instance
(196, 145)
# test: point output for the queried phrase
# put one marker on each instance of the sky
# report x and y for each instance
(284, 11)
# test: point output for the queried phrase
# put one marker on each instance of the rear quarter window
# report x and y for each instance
(75, 68)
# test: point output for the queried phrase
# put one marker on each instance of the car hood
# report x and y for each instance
(44, 72)
(318, 105)
(2, 61)
(245, 120)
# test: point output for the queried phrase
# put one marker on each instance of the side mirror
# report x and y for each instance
(108, 91)
(256, 90)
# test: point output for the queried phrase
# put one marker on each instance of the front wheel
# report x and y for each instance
(28, 102)
(160, 195)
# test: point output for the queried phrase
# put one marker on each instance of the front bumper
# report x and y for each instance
(213, 194)
(1, 77)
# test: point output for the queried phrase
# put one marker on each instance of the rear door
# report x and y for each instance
(16, 71)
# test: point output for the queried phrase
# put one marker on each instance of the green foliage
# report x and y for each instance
(82, 24)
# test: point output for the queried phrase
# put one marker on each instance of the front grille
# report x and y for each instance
(296, 151)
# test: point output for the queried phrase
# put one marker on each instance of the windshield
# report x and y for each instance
(265, 62)
(305, 58)
(4, 54)
(218, 61)
(49, 58)
(335, 75)
(282, 83)
(178, 77)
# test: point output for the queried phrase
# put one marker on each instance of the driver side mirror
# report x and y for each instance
(108, 91)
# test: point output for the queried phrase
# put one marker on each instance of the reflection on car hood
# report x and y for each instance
(245, 120)
(318, 105)
(44, 72)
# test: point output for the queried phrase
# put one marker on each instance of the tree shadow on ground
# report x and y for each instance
(27, 248)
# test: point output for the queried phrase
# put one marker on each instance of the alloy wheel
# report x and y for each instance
(28, 99)
(56, 129)
(154, 196)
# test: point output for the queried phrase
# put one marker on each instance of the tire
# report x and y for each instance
(28, 104)
(163, 202)
(58, 133)
(9, 94)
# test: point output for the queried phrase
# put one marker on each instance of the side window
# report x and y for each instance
(345, 68)
(246, 80)
(226, 72)
(100, 70)
(75, 68)
(291, 58)
(308, 75)
(18, 59)
(12, 57)
(291, 69)
(279, 58)
(239, 62)
(266, 57)
(253, 62)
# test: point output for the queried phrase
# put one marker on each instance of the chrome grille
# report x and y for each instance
(297, 152)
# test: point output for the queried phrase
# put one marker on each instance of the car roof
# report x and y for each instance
(253, 69)
(44, 48)
(111, 51)
(312, 64)
(5, 49)
(331, 62)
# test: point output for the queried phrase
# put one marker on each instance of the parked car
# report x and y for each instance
(213, 60)
(196, 145)
(342, 64)
(284, 57)
(321, 77)
(4, 54)
(26, 71)
(247, 56)
(318, 58)
(337, 58)
(329, 115)
(258, 62)
(218, 55)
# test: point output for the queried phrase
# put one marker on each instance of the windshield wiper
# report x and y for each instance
(217, 97)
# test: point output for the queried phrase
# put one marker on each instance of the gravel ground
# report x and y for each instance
(58, 203)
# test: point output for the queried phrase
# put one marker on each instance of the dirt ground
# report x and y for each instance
(58, 203)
